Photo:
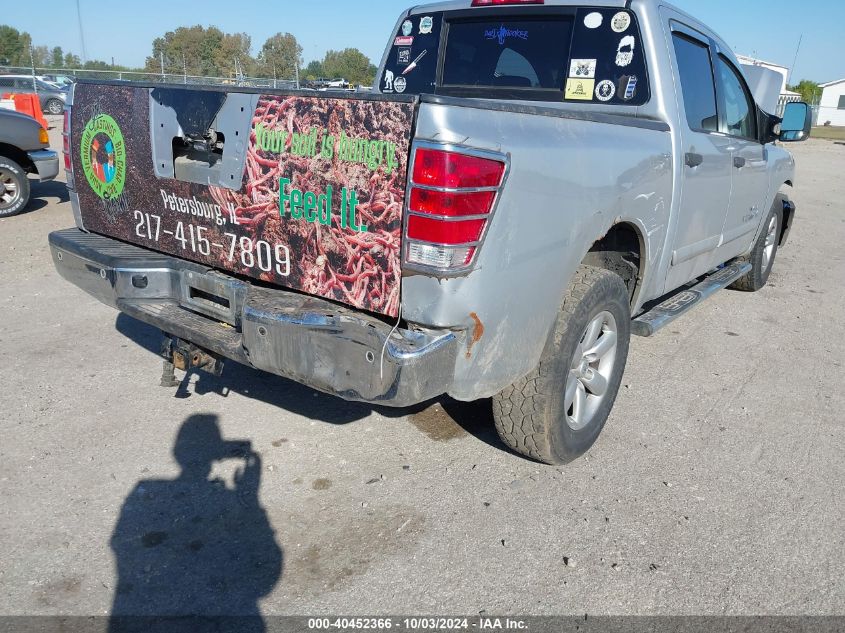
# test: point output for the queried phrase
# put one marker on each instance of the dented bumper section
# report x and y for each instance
(312, 341)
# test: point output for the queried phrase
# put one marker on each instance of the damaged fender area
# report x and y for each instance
(571, 181)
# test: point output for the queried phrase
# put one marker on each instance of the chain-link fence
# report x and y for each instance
(170, 78)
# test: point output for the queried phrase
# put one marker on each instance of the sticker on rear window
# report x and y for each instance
(628, 87)
(403, 41)
(579, 89)
(620, 22)
(426, 25)
(605, 91)
(593, 20)
(625, 51)
(585, 68)
(502, 34)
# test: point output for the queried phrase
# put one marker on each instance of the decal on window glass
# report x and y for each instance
(503, 33)
(605, 91)
(414, 63)
(407, 27)
(579, 89)
(426, 24)
(620, 22)
(628, 87)
(625, 51)
(593, 20)
(585, 68)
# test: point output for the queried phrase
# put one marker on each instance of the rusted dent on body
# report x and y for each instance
(477, 333)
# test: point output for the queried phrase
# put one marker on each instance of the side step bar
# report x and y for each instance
(670, 309)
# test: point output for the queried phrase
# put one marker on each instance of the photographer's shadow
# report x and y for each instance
(190, 550)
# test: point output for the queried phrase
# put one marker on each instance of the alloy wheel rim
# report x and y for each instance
(771, 238)
(591, 368)
(10, 191)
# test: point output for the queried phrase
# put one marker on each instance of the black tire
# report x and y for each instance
(55, 106)
(14, 185)
(757, 277)
(529, 415)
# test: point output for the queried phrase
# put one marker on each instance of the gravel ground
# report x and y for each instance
(716, 487)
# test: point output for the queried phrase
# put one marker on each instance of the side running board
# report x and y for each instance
(685, 299)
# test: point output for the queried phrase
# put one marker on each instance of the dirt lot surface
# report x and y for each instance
(716, 487)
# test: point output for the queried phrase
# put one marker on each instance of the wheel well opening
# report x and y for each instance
(17, 155)
(620, 252)
(786, 224)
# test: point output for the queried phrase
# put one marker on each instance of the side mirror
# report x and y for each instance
(796, 123)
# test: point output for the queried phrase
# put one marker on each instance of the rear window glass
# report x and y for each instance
(538, 53)
(513, 53)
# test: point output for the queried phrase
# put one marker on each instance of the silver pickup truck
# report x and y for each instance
(532, 182)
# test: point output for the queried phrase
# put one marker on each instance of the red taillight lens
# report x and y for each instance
(441, 232)
(449, 170)
(451, 204)
(447, 218)
(66, 149)
(488, 3)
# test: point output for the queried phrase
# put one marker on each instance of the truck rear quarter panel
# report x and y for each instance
(569, 182)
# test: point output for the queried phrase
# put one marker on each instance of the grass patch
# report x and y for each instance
(829, 132)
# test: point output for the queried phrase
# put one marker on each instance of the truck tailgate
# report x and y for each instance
(295, 189)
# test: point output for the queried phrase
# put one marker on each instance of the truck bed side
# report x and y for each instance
(573, 176)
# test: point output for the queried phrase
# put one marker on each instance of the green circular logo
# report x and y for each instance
(104, 156)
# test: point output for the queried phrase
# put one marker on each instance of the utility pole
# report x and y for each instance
(161, 59)
(184, 69)
(81, 33)
(32, 64)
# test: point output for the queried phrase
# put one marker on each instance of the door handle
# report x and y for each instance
(739, 162)
(693, 160)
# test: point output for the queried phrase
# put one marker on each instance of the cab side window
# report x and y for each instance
(697, 85)
(735, 102)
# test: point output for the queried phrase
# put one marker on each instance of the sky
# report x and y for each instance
(766, 29)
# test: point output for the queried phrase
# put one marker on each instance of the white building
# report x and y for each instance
(832, 104)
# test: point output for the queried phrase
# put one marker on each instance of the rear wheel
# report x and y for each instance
(556, 413)
(54, 106)
(762, 255)
(14, 188)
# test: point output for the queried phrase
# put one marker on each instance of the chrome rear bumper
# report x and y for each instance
(329, 347)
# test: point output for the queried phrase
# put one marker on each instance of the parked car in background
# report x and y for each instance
(62, 81)
(52, 98)
(24, 149)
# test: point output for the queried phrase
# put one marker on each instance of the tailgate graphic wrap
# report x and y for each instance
(319, 208)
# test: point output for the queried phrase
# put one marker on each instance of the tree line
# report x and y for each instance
(204, 51)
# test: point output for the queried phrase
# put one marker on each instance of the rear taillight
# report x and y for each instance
(66, 148)
(452, 194)
(490, 3)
